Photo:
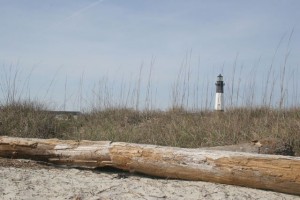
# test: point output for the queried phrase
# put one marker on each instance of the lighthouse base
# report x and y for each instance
(219, 103)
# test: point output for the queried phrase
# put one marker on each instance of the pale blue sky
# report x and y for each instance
(78, 43)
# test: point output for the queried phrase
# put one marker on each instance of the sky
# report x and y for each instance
(80, 54)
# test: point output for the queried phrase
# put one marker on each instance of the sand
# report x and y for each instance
(23, 179)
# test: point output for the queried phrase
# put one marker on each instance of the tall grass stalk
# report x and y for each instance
(148, 99)
(283, 73)
(269, 73)
(138, 88)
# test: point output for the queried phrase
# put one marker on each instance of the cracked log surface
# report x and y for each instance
(271, 172)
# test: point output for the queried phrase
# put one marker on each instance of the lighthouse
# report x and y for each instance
(219, 103)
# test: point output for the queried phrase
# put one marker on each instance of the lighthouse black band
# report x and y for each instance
(219, 88)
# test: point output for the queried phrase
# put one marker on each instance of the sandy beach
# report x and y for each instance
(24, 179)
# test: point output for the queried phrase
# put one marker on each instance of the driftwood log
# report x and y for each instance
(271, 172)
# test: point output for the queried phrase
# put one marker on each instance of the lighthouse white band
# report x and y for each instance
(219, 104)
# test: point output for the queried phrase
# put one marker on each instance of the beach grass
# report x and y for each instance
(174, 127)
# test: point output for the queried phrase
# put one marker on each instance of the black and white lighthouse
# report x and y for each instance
(219, 103)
